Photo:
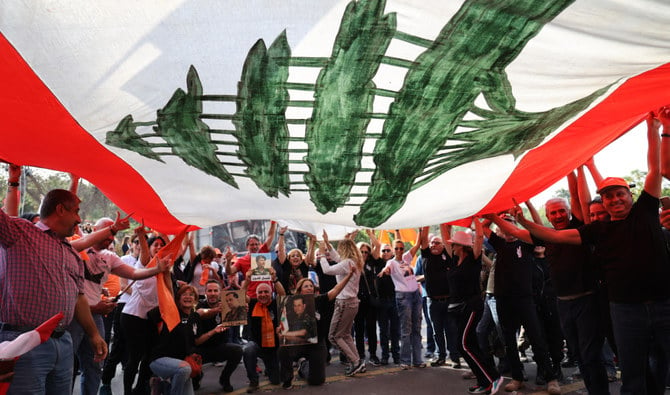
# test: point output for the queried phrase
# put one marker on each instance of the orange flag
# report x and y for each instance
(384, 237)
(166, 303)
(408, 235)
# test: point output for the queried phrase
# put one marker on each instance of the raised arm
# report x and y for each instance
(576, 207)
(533, 212)
(102, 234)
(417, 244)
(565, 236)
(74, 183)
(423, 237)
(230, 255)
(652, 183)
(509, 228)
(13, 192)
(584, 193)
(479, 238)
(132, 273)
(279, 288)
(141, 233)
(311, 248)
(445, 233)
(664, 117)
(374, 242)
(281, 245)
(595, 173)
(271, 235)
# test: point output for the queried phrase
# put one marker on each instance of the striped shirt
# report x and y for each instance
(40, 274)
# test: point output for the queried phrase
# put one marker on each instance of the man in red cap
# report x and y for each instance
(636, 262)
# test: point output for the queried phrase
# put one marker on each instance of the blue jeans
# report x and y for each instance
(91, 371)
(409, 307)
(46, 369)
(177, 370)
(444, 329)
(389, 329)
(635, 325)
(430, 339)
(251, 353)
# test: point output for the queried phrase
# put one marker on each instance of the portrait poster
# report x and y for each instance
(233, 308)
(260, 267)
(297, 321)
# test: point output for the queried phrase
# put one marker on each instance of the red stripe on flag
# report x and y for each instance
(39, 131)
(619, 112)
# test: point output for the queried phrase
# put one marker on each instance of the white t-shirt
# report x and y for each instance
(402, 273)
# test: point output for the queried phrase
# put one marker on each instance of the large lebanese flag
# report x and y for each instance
(365, 113)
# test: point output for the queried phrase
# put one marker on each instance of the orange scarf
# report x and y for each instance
(204, 276)
(267, 328)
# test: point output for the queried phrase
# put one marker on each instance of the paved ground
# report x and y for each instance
(384, 380)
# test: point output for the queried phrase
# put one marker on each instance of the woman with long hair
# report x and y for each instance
(294, 265)
(365, 323)
(466, 305)
(347, 257)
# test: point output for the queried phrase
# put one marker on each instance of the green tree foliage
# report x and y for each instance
(35, 183)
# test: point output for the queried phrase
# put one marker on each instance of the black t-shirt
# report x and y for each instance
(322, 306)
(464, 279)
(385, 286)
(255, 323)
(366, 285)
(179, 342)
(290, 276)
(571, 267)
(633, 253)
(436, 272)
(514, 267)
(207, 325)
(326, 281)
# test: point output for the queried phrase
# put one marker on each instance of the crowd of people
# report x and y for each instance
(592, 283)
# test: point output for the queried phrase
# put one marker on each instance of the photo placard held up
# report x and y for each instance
(233, 308)
(297, 322)
(260, 267)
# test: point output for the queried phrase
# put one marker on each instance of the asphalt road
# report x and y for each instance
(382, 380)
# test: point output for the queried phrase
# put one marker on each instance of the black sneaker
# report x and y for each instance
(358, 368)
(195, 381)
(225, 384)
(287, 385)
(438, 362)
(253, 387)
(384, 361)
(374, 361)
